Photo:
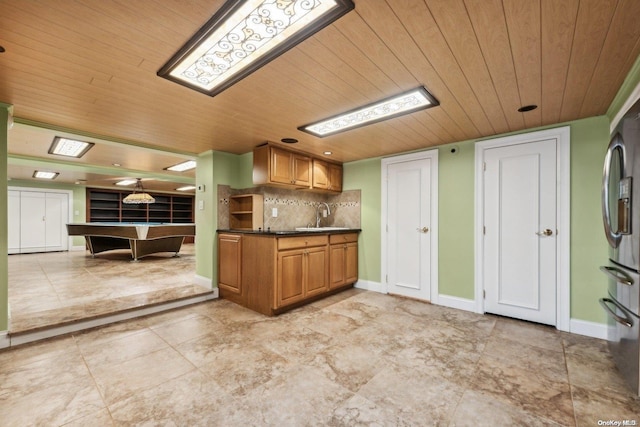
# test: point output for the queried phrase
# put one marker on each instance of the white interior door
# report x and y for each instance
(32, 221)
(409, 231)
(520, 231)
(56, 214)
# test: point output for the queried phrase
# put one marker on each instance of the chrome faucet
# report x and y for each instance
(318, 218)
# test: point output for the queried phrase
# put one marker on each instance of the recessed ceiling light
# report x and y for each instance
(289, 140)
(328, 153)
(126, 182)
(526, 108)
(2, 49)
(69, 147)
(243, 36)
(45, 175)
(404, 103)
(116, 165)
(181, 167)
(186, 188)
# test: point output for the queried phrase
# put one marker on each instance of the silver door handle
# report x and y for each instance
(626, 321)
(423, 229)
(545, 232)
(617, 275)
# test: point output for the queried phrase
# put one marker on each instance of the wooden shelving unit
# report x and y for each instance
(107, 206)
(246, 211)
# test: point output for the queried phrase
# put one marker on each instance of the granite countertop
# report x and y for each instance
(269, 232)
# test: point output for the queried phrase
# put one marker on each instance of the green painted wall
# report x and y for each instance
(214, 168)
(630, 83)
(456, 174)
(4, 249)
(589, 140)
(365, 176)
(456, 179)
(205, 218)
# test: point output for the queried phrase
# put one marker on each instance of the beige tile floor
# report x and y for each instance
(63, 287)
(356, 358)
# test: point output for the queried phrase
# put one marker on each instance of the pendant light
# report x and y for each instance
(138, 196)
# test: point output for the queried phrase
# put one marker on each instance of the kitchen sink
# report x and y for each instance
(320, 229)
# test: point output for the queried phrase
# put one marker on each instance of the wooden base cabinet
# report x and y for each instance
(271, 274)
(230, 263)
(303, 271)
(343, 253)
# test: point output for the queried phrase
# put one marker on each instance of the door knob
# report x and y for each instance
(423, 229)
(545, 232)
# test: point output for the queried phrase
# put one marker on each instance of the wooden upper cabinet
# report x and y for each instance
(278, 166)
(327, 176)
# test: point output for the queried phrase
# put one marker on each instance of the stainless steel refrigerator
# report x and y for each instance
(621, 215)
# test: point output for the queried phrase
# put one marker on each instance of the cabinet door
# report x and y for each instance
(351, 263)
(280, 171)
(301, 170)
(320, 174)
(230, 263)
(337, 273)
(335, 177)
(290, 286)
(316, 271)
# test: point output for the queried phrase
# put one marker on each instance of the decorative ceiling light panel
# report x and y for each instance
(243, 36)
(405, 103)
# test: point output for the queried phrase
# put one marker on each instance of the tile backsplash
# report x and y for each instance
(295, 208)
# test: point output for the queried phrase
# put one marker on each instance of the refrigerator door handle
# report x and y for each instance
(616, 144)
(625, 321)
(617, 275)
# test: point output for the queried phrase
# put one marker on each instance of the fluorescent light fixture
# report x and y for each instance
(186, 188)
(69, 147)
(405, 103)
(126, 182)
(243, 36)
(181, 167)
(45, 175)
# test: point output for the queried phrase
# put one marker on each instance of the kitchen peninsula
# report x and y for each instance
(274, 271)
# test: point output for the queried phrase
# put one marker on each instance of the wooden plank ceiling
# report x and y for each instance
(90, 66)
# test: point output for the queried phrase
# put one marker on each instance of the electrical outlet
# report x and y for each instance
(274, 212)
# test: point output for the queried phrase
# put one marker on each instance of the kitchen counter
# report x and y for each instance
(269, 232)
(274, 271)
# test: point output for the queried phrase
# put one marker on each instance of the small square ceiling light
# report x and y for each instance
(45, 175)
(243, 36)
(69, 147)
(181, 167)
(405, 103)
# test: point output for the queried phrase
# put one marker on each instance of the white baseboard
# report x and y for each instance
(590, 329)
(78, 248)
(4, 339)
(205, 282)
(368, 285)
(457, 302)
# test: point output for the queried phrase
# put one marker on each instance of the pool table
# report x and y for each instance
(141, 238)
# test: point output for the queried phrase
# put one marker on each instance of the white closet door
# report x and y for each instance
(13, 213)
(56, 214)
(32, 221)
